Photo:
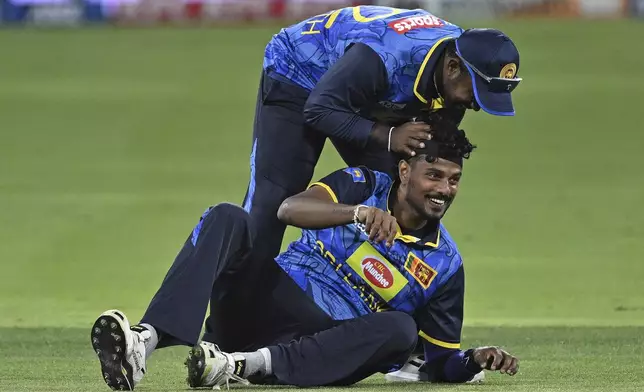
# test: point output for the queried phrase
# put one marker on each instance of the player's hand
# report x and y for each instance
(493, 358)
(409, 137)
(379, 225)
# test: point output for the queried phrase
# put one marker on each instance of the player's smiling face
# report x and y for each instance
(430, 187)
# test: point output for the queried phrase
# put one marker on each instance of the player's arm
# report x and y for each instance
(333, 201)
(359, 78)
(440, 324)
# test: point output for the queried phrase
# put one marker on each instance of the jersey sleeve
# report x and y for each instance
(351, 186)
(441, 320)
(357, 79)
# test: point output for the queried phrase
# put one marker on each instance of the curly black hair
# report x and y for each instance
(449, 137)
(448, 141)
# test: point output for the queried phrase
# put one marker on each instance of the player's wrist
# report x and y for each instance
(379, 135)
(359, 213)
(470, 363)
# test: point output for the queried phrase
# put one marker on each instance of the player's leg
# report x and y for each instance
(284, 154)
(341, 355)
(347, 353)
(217, 246)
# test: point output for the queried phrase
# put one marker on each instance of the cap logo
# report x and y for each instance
(509, 71)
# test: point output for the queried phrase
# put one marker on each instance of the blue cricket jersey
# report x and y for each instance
(349, 276)
(404, 39)
(369, 64)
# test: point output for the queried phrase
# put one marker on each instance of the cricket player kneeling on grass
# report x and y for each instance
(373, 270)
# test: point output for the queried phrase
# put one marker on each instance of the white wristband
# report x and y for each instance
(389, 142)
(356, 212)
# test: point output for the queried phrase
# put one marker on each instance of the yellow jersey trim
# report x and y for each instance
(410, 239)
(328, 189)
(439, 343)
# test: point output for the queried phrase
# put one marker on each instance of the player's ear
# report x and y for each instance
(454, 68)
(404, 170)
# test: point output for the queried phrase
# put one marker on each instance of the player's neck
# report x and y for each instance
(408, 218)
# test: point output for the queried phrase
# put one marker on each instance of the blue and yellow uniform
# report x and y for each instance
(334, 308)
(348, 276)
(335, 76)
(342, 74)
(406, 44)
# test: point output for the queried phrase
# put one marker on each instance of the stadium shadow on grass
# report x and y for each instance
(553, 359)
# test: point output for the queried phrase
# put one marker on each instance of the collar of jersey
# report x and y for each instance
(410, 239)
(424, 76)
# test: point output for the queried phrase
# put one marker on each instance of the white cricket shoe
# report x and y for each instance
(120, 350)
(410, 372)
(208, 366)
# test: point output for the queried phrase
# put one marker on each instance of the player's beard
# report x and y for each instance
(422, 205)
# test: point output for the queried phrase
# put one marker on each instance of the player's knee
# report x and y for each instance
(403, 329)
(227, 214)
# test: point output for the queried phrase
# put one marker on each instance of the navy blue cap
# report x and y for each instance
(493, 62)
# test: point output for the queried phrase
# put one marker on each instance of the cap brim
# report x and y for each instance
(498, 104)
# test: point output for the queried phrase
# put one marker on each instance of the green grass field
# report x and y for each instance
(112, 143)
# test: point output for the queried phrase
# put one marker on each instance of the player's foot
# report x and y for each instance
(411, 372)
(208, 366)
(120, 350)
(478, 378)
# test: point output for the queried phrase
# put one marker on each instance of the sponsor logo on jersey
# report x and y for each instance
(377, 273)
(402, 26)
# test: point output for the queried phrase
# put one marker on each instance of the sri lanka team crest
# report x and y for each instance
(356, 174)
(509, 71)
(423, 273)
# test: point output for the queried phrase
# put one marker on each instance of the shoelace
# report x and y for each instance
(227, 373)
(139, 357)
(235, 377)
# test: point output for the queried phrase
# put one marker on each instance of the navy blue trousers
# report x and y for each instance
(308, 347)
(284, 154)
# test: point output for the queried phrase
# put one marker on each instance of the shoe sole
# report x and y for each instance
(108, 341)
(196, 364)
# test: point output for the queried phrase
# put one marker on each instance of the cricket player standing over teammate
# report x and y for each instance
(360, 76)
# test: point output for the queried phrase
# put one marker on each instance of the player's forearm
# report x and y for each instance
(356, 80)
(336, 123)
(308, 213)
